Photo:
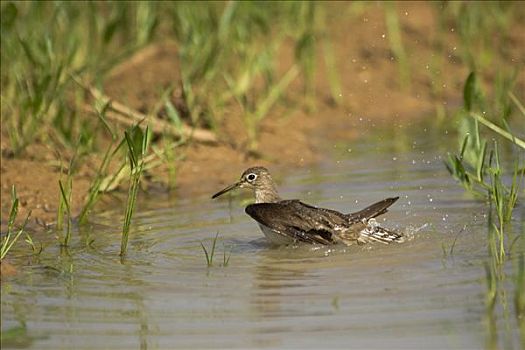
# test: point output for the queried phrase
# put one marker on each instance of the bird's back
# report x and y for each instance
(305, 223)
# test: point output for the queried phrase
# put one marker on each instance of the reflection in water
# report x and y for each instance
(432, 291)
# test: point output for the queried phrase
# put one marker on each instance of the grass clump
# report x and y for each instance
(209, 254)
(479, 168)
(97, 183)
(50, 47)
(65, 201)
(476, 167)
(228, 53)
(12, 235)
(65, 204)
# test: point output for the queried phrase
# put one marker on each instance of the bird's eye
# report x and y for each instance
(251, 177)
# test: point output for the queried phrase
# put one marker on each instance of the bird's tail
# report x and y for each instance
(375, 233)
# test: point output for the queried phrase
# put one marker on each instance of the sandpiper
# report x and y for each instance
(291, 221)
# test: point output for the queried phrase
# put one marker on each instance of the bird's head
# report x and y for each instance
(253, 178)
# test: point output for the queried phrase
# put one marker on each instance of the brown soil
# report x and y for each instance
(370, 92)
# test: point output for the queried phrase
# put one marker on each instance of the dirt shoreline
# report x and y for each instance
(288, 138)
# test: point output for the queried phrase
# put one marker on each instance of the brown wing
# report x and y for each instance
(373, 210)
(299, 221)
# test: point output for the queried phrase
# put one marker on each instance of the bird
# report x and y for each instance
(290, 221)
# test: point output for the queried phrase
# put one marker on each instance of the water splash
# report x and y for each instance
(410, 231)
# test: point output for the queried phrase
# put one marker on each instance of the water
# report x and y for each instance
(163, 295)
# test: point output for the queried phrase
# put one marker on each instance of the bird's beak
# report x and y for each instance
(227, 189)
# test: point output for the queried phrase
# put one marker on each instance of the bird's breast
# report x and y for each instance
(274, 236)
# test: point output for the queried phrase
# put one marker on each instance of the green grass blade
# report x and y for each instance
(14, 209)
(208, 262)
(63, 194)
(276, 92)
(66, 200)
(481, 161)
(498, 130)
(7, 242)
(464, 145)
(226, 259)
(469, 91)
(517, 102)
(131, 151)
(519, 293)
(212, 253)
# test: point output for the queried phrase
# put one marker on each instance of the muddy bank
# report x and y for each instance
(291, 136)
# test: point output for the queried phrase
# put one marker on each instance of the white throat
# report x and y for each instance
(266, 195)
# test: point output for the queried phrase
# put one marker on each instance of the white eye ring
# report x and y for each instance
(251, 177)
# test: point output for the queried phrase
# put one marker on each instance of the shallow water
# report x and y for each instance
(163, 295)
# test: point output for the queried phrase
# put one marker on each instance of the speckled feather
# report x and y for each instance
(309, 224)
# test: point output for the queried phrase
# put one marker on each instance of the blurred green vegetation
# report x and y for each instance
(227, 53)
(230, 57)
(478, 25)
